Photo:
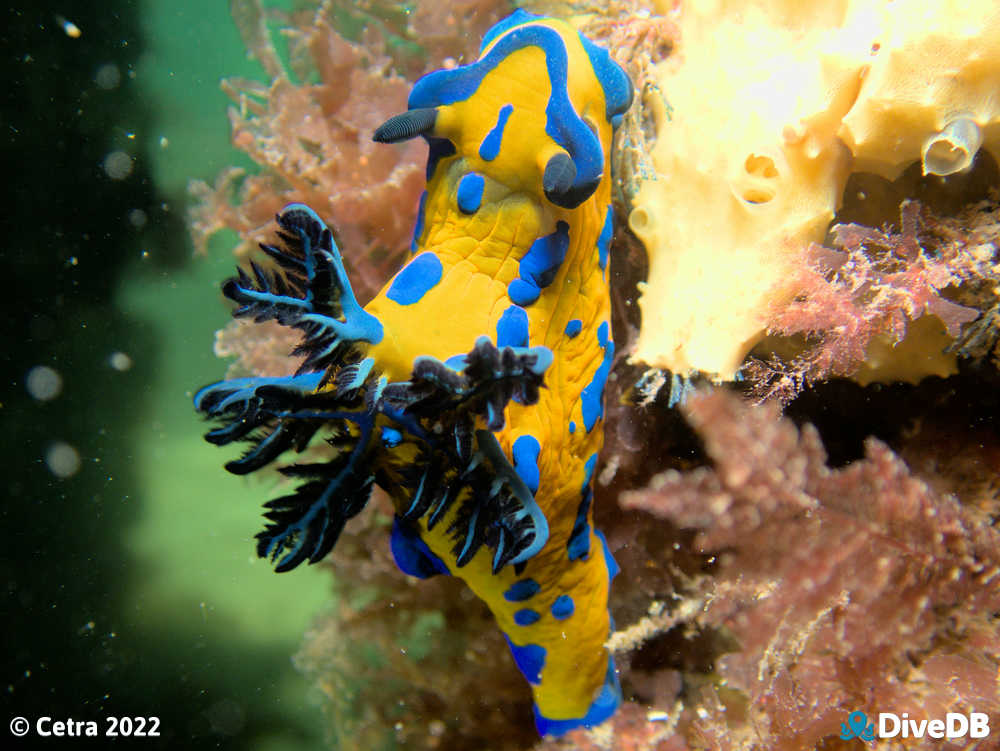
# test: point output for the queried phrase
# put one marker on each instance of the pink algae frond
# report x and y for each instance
(260, 349)
(856, 588)
(876, 283)
(309, 129)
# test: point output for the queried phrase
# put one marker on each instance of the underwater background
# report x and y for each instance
(131, 583)
(827, 542)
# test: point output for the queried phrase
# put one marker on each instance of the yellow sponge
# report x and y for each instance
(762, 112)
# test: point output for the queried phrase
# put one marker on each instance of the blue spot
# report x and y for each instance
(525, 454)
(539, 266)
(521, 590)
(573, 328)
(416, 279)
(530, 660)
(579, 539)
(470, 193)
(604, 241)
(592, 396)
(490, 147)
(522, 292)
(563, 607)
(545, 255)
(418, 228)
(512, 328)
(572, 427)
(604, 706)
(391, 437)
(526, 616)
(411, 554)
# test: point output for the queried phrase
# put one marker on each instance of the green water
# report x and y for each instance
(132, 584)
(225, 580)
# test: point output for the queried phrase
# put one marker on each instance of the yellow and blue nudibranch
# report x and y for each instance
(471, 388)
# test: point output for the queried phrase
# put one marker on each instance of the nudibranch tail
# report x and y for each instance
(471, 387)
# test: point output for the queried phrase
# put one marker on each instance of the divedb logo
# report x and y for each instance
(892, 725)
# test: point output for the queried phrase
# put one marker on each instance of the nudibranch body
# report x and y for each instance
(471, 387)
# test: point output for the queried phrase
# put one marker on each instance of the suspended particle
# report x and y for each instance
(108, 76)
(138, 218)
(118, 165)
(69, 28)
(43, 383)
(120, 361)
(62, 460)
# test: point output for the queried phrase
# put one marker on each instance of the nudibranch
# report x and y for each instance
(471, 388)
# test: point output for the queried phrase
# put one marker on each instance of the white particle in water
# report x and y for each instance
(120, 361)
(108, 76)
(43, 383)
(62, 460)
(118, 165)
(138, 218)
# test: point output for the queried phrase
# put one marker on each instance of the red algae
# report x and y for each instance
(310, 131)
(858, 588)
(876, 284)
